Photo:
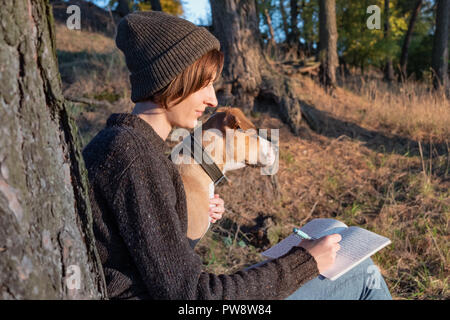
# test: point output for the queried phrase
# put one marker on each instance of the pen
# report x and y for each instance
(302, 234)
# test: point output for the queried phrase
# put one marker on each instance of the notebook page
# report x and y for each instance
(315, 228)
(320, 227)
(357, 244)
(282, 247)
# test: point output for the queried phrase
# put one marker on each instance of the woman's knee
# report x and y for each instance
(375, 285)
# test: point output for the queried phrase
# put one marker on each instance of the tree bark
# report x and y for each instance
(328, 43)
(388, 68)
(407, 41)
(269, 24)
(45, 216)
(235, 25)
(440, 45)
(294, 35)
(305, 32)
(247, 78)
(284, 19)
(156, 5)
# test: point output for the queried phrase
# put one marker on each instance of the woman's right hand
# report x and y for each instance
(323, 250)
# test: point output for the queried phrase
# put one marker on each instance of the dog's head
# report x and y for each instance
(238, 133)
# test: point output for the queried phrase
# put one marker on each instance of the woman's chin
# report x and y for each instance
(189, 124)
(196, 122)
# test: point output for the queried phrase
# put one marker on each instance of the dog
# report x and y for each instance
(198, 185)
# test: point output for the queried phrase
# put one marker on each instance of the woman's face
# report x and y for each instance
(186, 113)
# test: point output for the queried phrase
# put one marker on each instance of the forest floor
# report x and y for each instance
(380, 161)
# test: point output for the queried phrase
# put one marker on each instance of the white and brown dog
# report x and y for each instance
(245, 147)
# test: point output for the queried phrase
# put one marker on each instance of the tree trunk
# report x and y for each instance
(284, 19)
(123, 8)
(328, 43)
(294, 35)
(306, 34)
(388, 68)
(235, 25)
(407, 41)
(156, 5)
(247, 78)
(269, 24)
(46, 237)
(440, 45)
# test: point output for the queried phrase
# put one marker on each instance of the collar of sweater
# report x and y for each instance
(133, 121)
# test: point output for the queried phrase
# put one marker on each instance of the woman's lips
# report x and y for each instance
(198, 113)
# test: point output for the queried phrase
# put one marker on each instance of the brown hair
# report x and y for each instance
(193, 78)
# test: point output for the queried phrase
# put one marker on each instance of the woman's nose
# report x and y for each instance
(211, 100)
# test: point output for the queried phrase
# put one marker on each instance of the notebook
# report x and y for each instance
(357, 244)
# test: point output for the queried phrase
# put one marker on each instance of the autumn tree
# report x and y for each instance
(284, 19)
(174, 7)
(308, 10)
(440, 45)
(294, 34)
(247, 78)
(47, 247)
(328, 43)
(389, 67)
(123, 7)
(156, 5)
(407, 41)
(170, 6)
(264, 8)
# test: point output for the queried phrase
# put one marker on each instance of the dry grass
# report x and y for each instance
(340, 178)
(77, 41)
(410, 109)
(403, 196)
(364, 168)
(92, 67)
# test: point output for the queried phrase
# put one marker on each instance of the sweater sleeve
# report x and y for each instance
(143, 202)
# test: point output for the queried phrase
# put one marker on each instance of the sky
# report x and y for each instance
(196, 11)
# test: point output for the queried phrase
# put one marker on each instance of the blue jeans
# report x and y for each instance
(363, 282)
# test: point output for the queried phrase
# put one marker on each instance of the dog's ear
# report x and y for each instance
(238, 120)
(232, 121)
(235, 118)
(222, 109)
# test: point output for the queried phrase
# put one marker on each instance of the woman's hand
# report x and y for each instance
(216, 208)
(323, 250)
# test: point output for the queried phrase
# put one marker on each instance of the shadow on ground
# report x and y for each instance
(326, 124)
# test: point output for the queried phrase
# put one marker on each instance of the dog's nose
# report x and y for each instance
(267, 152)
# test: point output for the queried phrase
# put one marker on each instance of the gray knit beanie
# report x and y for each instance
(158, 47)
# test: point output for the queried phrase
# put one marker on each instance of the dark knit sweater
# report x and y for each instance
(140, 223)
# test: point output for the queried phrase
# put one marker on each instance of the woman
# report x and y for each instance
(138, 200)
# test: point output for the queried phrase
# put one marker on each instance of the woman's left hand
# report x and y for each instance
(216, 208)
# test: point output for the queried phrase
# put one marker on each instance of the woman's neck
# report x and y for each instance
(155, 116)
